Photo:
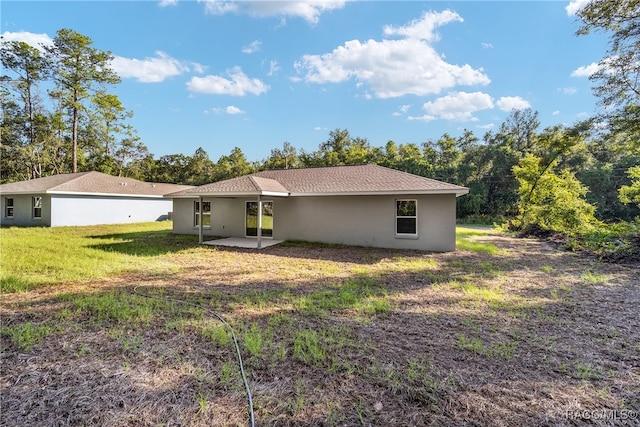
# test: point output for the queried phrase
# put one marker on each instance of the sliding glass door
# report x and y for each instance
(252, 219)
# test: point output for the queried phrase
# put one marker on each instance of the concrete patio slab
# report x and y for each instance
(239, 242)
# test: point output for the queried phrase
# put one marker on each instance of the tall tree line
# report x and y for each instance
(58, 114)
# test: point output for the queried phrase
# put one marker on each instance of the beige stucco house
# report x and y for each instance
(364, 205)
(84, 198)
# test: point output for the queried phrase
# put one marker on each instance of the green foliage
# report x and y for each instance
(631, 193)
(552, 202)
(612, 242)
(78, 125)
(79, 72)
(619, 73)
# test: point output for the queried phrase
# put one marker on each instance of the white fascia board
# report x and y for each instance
(275, 194)
(78, 193)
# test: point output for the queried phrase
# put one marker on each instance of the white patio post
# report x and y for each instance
(200, 226)
(259, 231)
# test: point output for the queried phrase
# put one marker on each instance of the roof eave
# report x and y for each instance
(457, 192)
(87, 193)
(194, 195)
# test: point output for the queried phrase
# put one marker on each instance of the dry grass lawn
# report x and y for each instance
(511, 333)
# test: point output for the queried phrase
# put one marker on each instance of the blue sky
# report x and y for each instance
(225, 74)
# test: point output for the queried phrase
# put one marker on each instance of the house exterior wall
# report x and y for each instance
(227, 217)
(70, 210)
(22, 210)
(90, 210)
(350, 220)
(366, 221)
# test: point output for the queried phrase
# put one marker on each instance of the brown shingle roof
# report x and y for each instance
(90, 183)
(338, 180)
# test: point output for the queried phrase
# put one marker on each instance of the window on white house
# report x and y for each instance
(205, 214)
(407, 217)
(36, 207)
(8, 207)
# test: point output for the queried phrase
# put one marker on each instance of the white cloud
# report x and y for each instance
(273, 68)
(508, 103)
(150, 70)
(238, 84)
(459, 105)
(252, 47)
(309, 10)
(556, 113)
(487, 126)
(393, 68)
(424, 118)
(575, 6)
(424, 28)
(568, 90)
(586, 70)
(219, 7)
(230, 109)
(487, 45)
(198, 68)
(165, 3)
(403, 110)
(32, 39)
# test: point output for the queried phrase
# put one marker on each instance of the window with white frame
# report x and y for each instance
(205, 214)
(8, 207)
(36, 211)
(407, 218)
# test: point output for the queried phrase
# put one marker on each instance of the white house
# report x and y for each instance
(84, 198)
(365, 205)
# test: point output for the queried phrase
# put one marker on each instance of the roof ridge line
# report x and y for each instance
(254, 182)
(258, 187)
(77, 176)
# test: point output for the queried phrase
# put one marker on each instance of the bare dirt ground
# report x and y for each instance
(530, 336)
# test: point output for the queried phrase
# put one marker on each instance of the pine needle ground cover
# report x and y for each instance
(502, 332)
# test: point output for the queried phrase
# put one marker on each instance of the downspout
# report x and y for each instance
(200, 221)
(259, 231)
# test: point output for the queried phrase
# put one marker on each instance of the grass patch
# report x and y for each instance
(12, 284)
(114, 307)
(307, 348)
(594, 278)
(254, 341)
(25, 336)
(34, 256)
(465, 241)
(359, 294)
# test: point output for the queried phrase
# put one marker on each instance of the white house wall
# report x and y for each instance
(351, 220)
(90, 210)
